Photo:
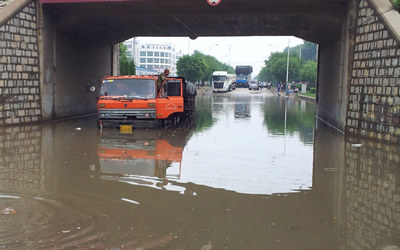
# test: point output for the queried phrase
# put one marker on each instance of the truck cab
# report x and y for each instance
(134, 101)
(220, 82)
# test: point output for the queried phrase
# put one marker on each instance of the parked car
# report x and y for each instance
(253, 85)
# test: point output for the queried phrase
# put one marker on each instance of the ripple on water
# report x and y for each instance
(41, 222)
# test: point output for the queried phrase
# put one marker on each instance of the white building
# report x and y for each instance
(153, 56)
(143, 71)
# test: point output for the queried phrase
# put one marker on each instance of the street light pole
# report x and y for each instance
(229, 60)
(287, 69)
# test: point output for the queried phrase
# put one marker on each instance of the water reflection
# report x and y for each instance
(372, 195)
(73, 187)
(299, 118)
(239, 154)
(203, 112)
(242, 108)
(145, 157)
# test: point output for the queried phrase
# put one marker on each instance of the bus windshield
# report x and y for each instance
(129, 88)
(241, 77)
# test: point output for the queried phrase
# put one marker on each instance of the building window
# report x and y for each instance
(162, 60)
(156, 53)
(156, 60)
(142, 60)
(162, 54)
(142, 53)
(149, 60)
(149, 53)
(150, 66)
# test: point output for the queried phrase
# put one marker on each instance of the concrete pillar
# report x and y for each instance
(115, 63)
(67, 64)
(334, 73)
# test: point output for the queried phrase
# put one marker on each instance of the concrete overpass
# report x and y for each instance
(75, 41)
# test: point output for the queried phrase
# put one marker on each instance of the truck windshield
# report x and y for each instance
(129, 88)
(241, 77)
(219, 78)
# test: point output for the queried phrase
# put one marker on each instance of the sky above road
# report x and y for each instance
(231, 50)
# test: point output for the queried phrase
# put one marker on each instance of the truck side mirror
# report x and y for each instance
(89, 88)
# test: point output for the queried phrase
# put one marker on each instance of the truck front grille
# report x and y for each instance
(126, 114)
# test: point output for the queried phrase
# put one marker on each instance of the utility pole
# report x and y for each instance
(287, 68)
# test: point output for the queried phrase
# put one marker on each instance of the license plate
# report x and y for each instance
(125, 129)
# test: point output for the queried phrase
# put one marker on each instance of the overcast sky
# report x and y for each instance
(232, 50)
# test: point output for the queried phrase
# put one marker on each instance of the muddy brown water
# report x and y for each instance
(250, 171)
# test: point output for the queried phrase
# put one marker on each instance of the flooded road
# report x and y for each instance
(251, 171)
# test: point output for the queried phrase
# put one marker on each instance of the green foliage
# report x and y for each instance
(396, 4)
(308, 72)
(186, 66)
(300, 69)
(265, 75)
(276, 67)
(306, 51)
(126, 67)
(193, 68)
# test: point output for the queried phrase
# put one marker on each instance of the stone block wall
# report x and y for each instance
(372, 194)
(19, 69)
(374, 101)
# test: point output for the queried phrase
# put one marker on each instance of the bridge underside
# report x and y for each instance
(112, 21)
(78, 39)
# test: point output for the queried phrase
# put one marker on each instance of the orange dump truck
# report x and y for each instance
(135, 101)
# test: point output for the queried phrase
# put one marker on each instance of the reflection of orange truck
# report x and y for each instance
(134, 100)
(147, 152)
(146, 158)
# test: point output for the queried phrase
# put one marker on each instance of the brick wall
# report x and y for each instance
(374, 101)
(19, 69)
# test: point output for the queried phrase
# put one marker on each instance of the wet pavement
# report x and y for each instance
(250, 171)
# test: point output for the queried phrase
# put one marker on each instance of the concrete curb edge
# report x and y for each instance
(12, 9)
(389, 16)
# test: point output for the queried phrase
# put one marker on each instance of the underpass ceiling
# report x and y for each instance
(319, 21)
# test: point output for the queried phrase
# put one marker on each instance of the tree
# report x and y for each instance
(396, 4)
(193, 67)
(126, 67)
(200, 67)
(276, 67)
(309, 51)
(308, 72)
(265, 75)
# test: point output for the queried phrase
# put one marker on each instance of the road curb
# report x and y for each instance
(307, 98)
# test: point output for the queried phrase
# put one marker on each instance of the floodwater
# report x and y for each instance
(250, 171)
